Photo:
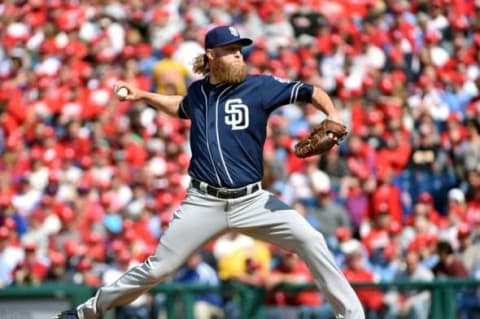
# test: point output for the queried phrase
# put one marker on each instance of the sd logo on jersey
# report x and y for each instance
(236, 114)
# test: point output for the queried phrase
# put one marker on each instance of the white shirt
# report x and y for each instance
(12, 256)
(24, 203)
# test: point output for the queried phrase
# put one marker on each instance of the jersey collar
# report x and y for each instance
(209, 86)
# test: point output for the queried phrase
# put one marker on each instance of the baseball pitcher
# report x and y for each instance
(228, 110)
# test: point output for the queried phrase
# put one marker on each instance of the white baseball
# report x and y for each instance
(122, 92)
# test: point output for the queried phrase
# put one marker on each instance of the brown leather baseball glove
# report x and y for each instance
(321, 139)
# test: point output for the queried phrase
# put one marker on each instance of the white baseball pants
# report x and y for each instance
(202, 217)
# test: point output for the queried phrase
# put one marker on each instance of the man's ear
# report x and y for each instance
(210, 54)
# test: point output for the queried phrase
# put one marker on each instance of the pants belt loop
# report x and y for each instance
(250, 188)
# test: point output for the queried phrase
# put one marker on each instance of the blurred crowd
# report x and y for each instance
(89, 183)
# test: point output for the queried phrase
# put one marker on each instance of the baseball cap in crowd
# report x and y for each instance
(463, 231)
(425, 197)
(224, 35)
(320, 182)
(456, 194)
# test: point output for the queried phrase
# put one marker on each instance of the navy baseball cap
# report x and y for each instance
(224, 35)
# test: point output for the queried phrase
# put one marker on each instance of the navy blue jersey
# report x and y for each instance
(228, 126)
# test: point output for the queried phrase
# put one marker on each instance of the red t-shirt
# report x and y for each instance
(305, 297)
(36, 269)
(372, 298)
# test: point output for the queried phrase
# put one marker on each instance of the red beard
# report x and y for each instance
(232, 73)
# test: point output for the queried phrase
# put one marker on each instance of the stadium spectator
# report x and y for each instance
(354, 196)
(412, 303)
(170, 76)
(328, 214)
(468, 251)
(376, 238)
(472, 152)
(68, 230)
(240, 259)
(233, 250)
(334, 165)
(10, 256)
(285, 304)
(420, 224)
(42, 224)
(386, 192)
(449, 265)
(197, 271)
(391, 258)
(57, 271)
(456, 209)
(32, 270)
(138, 308)
(84, 274)
(355, 271)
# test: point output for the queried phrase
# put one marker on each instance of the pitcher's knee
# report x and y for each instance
(311, 239)
(159, 269)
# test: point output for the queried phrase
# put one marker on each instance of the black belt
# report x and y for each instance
(225, 193)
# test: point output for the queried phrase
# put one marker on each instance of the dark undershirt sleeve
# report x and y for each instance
(305, 93)
(184, 109)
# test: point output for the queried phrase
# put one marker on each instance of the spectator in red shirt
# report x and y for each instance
(355, 271)
(376, 238)
(419, 228)
(361, 157)
(31, 270)
(388, 193)
(426, 208)
(84, 274)
(292, 270)
(397, 151)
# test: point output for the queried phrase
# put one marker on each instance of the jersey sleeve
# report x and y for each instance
(184, 109)
(278, 92)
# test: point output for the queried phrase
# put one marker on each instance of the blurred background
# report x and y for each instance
(88, 183)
